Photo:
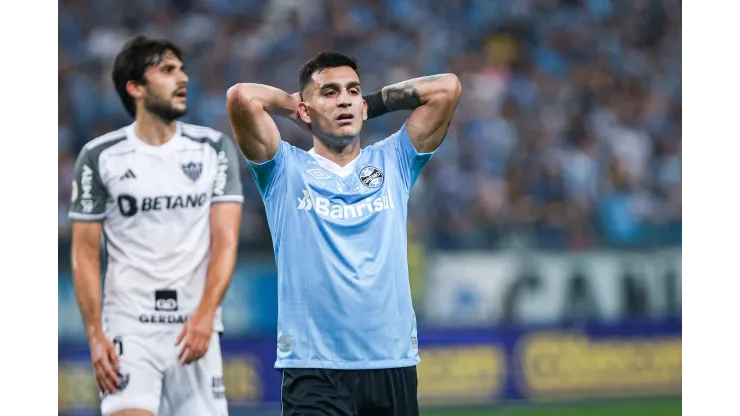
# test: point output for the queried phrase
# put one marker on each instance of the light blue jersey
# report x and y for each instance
(339, 235)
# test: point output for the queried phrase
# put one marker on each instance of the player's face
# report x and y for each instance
(334, 106)
(165, 93)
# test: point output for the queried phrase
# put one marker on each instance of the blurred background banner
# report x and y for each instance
(478, 288)
(464, 366)
(545, 233)
(475, 289)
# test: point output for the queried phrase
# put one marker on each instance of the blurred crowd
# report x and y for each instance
(568, 133)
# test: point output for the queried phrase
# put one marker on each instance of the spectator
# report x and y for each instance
(568, 130)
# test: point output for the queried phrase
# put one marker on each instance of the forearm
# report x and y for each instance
(86, 279)
(220, 270)
(410, 94)
(273, 100)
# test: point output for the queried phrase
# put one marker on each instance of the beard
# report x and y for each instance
(333, 139)
(161, 108)
(337, 142)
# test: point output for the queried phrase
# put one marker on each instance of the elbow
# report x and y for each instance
(446, 89)
(451, 87)
(240, 98)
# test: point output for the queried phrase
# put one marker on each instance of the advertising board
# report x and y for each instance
(465, 366)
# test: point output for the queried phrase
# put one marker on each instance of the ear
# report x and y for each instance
(134, 89)
(303, 112)
(364, 110)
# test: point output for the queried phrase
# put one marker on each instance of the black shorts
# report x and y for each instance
(323, 392)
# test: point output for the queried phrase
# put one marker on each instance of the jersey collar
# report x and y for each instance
(141, 144)
(341, 171)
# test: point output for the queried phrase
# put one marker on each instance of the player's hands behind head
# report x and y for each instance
(196, 334)
(105, 363)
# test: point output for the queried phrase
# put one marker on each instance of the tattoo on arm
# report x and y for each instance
(405, 95)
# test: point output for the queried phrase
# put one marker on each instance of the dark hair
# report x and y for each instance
(322, 61)
(136, 56)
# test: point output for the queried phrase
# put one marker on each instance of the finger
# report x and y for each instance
(185, 360)
(183, 332)
(198, 351)
(105, 385)
(110, 374)
(113, 357)
(203, 349)
(195, 355)
(101, 383)
(184, 351)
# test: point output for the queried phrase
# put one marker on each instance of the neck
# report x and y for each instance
(152, 129)
(339, 155)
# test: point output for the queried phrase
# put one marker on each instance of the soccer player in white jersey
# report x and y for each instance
(346, 342)
(167, 197)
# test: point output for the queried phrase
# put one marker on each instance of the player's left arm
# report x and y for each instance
(433, 100)
(225, 220)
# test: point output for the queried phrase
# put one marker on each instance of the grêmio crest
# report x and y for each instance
(371, 176)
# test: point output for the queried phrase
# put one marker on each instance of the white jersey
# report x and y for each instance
(154, 202)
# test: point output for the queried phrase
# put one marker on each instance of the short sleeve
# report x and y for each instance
(408, 160)
(89, 195)
(268, 172)
(228, 184)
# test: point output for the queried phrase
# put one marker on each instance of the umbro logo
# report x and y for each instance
(318, 173)
(128, 175)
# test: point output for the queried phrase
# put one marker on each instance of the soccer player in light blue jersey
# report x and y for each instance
(347, 341)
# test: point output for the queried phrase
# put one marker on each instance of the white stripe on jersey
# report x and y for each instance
(201, 131)
(86, 217)
(227, 198)
(117, 134)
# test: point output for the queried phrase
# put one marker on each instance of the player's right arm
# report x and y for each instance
(250, 107)
(87, 214)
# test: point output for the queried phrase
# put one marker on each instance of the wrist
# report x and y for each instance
(375, 105)
(206, 310)
(94, 331)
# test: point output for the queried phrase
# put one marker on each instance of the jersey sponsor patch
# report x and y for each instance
(328, 208)
(86, 182)
(165, 300)
(129, 206)
(165, 305)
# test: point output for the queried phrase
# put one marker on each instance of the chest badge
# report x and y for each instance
(371, 177)
(192, 170)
